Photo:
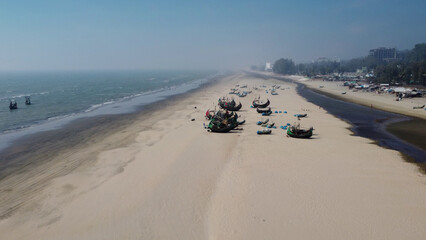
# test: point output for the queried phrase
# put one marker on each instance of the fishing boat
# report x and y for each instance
(297, 132)
(27, 100)
(13, 105)
(229, 105)
(266, 113)
(263, 122)
(258, 104)
(263, 110)
(264, 131)
(232, 108)
(219, 127)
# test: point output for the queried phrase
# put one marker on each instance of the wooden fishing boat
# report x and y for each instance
(263, 110)
(301, 115)
(297, 132)
(264, 131)
(13, 105)
(258, 104)
(27, 100)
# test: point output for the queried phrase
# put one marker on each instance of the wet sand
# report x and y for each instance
(162, 176)
(412, 130)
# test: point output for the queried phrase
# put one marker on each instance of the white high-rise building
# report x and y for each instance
(268, 66)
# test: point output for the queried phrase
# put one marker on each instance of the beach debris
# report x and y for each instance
(419, 107)
(193, 119)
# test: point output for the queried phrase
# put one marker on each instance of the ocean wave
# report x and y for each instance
(23, 95)
(126, 101)
(96, 106)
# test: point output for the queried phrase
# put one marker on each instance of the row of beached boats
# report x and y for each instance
(226, 118)
(293, 131)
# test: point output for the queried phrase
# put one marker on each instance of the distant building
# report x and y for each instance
(384, 54)
(325, 60)
(336, 59)
(322, 59)
(363, 70)
(268, 67)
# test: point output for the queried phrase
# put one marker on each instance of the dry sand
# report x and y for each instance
(174, 180)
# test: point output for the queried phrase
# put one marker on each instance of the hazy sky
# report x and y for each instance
(89, 34)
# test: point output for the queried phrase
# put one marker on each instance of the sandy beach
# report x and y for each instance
(163, 176)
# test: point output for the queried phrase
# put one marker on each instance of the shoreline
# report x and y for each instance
(411, 146)
(46, 149)
(122, 106)
(33, 141)
(418, 118)
(416, 138)
(164, 176)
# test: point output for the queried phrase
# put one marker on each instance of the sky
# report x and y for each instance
(199, 34)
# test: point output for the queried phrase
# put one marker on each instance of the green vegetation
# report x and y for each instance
(284, 66)
(410, 68)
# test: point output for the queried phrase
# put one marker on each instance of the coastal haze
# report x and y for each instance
(139, 120)
(102, 35)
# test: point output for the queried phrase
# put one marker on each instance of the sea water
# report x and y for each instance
(58, 97)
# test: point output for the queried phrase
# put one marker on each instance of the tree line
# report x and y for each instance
(409, 68)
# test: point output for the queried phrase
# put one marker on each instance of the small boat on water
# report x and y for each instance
(13, 105)
(297, 132)
(27, 100)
